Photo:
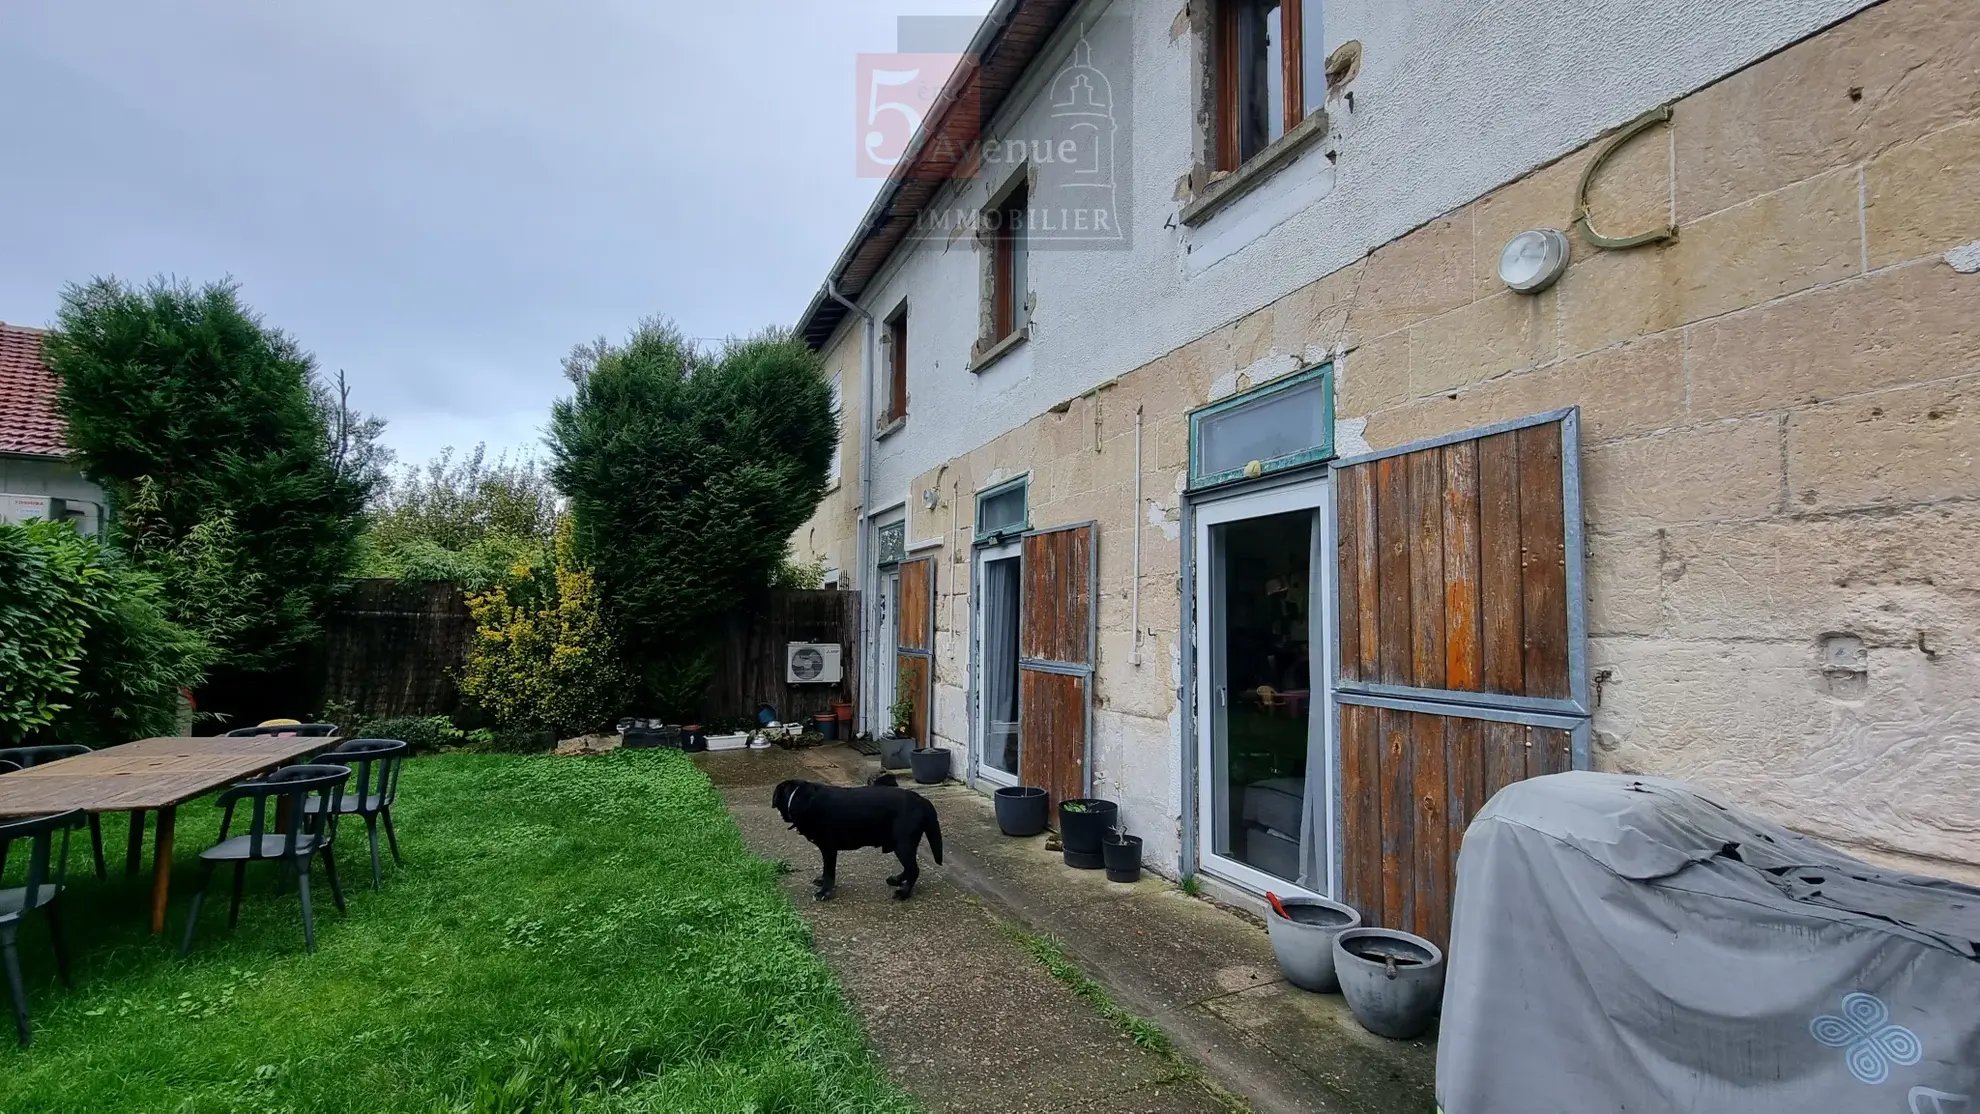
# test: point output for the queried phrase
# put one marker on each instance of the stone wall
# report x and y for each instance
(1781, 429)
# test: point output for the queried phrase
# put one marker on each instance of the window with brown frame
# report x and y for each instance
(1008, 265)
(897, 365)
(1270, 73)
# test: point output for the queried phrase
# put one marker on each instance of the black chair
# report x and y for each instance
(24, 757)
(297, 730)
(305, 830)
(47, 871)
(376, 763)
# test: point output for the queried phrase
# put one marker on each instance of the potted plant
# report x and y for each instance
(1021, 810)
(1082, 821)
(1302, 930)
(1393, 981)
(827, 725)
(894, 749)
(931, 765)
(1121, 853)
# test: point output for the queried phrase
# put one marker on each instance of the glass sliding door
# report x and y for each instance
(998, 588)
(1265, 768)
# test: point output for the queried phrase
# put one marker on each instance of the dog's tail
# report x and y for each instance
(933, 826)
(883, 778)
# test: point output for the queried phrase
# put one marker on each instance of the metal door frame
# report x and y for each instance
(1199, 515)
(982, 555)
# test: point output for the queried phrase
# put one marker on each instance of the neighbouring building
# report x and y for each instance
(37, 479)
(1215, 442)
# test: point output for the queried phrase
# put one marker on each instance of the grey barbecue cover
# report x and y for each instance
(1633, 944)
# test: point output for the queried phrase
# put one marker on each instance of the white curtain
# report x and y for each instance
(1000, 657)
(1315, 836)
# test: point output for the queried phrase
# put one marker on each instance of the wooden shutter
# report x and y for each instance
(1056, 636)
(916, 652)
(1461, 666)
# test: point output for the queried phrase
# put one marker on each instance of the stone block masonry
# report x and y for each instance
(1781, 441)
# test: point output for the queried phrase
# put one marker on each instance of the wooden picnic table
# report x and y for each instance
(152, 775)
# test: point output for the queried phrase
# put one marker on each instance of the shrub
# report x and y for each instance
(466, 520)
(543, 655)
(687, 475)
(803, 575)
(196, 415)
(425, 734)
(477, 567)
(87, 653)
(455, 503)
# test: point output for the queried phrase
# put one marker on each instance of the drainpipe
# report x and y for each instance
(866, 578)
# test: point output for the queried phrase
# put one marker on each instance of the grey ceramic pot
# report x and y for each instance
(894, 752)
(1393, 981)
(1304, 945)
(931, 766)
(1021, 810)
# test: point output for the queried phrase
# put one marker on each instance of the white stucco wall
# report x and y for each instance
(1454, 98)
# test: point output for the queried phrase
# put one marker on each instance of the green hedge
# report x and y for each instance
(87, 654)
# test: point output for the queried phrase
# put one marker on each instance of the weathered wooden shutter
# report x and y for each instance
(916, 651)
(1056, 636)
(1462, 665)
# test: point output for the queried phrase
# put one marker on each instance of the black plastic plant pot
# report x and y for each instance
(1122, 855)
(1021, 810)
(931, 765)
(1082, 821)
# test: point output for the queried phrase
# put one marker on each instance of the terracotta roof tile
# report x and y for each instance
(30, 421)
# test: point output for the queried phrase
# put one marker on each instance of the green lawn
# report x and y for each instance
(567, 934)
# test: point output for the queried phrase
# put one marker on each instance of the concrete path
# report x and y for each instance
(968, 1021)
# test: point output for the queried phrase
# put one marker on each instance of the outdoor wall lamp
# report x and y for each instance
(1533, 259)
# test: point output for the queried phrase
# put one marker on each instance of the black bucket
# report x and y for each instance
(1082, 821)
(1021, 810)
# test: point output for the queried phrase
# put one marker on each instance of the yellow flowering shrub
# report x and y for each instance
(544, 655)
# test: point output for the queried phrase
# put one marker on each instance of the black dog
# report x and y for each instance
(879, 815)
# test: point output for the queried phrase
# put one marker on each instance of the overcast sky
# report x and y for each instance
(440, 197)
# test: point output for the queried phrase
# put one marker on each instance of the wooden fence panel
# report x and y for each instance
(750, 667)
(394, 649)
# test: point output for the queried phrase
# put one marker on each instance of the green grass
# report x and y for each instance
(566, 935)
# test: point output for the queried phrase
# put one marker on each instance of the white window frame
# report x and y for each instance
(1316, 495)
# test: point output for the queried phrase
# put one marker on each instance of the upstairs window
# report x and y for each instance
(1008, 265)
(897, 366)
(1271, 71)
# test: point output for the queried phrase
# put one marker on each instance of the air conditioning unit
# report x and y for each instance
(21, 508)
(813, 663)
(87, 516)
